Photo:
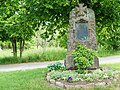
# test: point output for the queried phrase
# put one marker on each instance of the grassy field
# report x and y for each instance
(33, 55)
(104, 52)
(35, 80)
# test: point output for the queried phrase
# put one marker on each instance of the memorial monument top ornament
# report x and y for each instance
(82, 29)
(81, 10)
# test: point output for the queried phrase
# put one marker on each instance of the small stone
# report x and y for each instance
(90, 85)
(60, 84)
(48, 78)
(52, 81)
(100, 84)
(115, 80)
(80, 86)
(48, 74)
(107, 83)
(77, 86)
(69, 86)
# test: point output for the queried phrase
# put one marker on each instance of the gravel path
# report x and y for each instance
(25, 66)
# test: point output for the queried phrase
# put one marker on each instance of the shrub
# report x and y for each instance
(55, 66)
(83, 57)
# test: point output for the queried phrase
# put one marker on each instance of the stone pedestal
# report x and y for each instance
(69, 62)
(95, 65)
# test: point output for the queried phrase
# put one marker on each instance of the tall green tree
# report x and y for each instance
(16, 24)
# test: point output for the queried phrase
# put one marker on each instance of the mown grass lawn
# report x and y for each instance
(25, 80)
(35, 80)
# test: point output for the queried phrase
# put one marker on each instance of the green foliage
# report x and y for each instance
(108, 37)
(15, 20)
(98, 75)
(83, 57)
(55, 66)
(5, 45)
(108, 23)
(63, 40)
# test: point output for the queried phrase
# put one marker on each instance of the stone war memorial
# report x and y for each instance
(82, 29)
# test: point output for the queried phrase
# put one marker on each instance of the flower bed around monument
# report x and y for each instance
(82, 75)
(73, 76)
(72, 79)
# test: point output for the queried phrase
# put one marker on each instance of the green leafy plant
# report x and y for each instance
(83, 57)
(55, 66)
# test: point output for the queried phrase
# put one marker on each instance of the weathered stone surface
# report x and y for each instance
(109, 82)
(48, 78)
(80, 86)
(84, 86)
(60, 84)
(90, 84)
(100, 84)
(95, 65)
(69, 63)
(69, 86)
(52, 81)
(82, 29)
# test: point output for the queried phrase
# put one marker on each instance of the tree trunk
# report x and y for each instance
(14, 45)
(22, 43)
(37, 39)
(115, 47)
(9, 45)
(37, 42)
(2, 46)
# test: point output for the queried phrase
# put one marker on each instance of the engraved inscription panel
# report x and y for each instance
(81, 30)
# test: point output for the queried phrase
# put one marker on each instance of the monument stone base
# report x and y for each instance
(95, 65)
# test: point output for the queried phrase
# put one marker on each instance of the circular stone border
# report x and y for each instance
(77, 85)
